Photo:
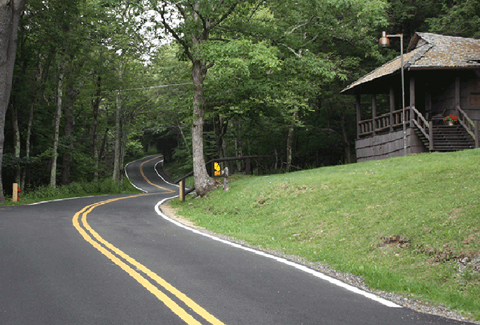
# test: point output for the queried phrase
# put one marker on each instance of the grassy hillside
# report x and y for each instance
(406, 225)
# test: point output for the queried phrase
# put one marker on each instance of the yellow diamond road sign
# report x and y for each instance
(218, 169)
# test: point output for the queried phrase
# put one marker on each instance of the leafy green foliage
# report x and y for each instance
(462, 18)
(273, 66)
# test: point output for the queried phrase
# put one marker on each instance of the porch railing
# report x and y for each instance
(422, 125)
(383, 123)
(468, 125)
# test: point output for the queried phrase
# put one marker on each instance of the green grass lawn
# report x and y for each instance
(399, 223)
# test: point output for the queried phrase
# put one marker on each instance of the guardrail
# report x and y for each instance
(181, 180)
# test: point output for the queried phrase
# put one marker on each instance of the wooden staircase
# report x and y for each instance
(451, 138)
(447, 138)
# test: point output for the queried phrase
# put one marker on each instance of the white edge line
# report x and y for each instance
(281, 260)
(126, 174)
(155, 168)
(70, 198)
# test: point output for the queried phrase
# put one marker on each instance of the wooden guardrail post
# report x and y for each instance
(182, 190)
(15, 192)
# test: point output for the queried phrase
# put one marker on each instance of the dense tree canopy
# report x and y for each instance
(99, 82)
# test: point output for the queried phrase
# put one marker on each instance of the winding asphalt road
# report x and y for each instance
(118, 260)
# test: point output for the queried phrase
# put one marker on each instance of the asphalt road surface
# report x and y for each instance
(116, 260)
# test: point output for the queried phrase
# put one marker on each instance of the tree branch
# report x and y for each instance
(174, 33)
(225, 15)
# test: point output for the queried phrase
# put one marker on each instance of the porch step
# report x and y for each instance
(451, 138)
(422, 137)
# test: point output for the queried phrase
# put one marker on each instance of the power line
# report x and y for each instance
(153, 87)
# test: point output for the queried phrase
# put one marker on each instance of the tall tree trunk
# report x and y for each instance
(203, 182)
(290, 142)
(125, 122)
(68, 132)
(71, 95)
(27, 143)
(9, 18)
(118, 128)
(184, 140)
(101, 152)
(16, 141)
(95, 109)
(58, 117)
(346, 142)
(238, 145)
(118, 138)
(220, 131)
(40, 81)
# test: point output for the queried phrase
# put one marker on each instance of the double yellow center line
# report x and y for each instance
(121, 259)
(148, 181)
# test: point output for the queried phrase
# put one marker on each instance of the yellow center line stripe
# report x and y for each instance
(179, 311)
(148, 181)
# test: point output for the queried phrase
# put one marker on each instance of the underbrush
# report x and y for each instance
(75, 189)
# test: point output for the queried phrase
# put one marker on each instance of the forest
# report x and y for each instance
(97, 83)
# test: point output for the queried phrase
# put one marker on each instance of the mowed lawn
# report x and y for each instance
(408, 225)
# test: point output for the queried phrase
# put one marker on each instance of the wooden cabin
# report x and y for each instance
(442, 77)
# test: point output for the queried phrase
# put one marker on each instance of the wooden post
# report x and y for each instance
(374, 113)
(428, 105)
(15, 192)
(359, 114)
(412, 91)
(225, 179)
(182, 190)
(392, 107)
(457, 92)
(247, 167)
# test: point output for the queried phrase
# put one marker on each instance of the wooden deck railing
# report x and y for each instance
(393, 121)
(383, 123)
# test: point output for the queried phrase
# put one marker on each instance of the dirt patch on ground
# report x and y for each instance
(172, 214)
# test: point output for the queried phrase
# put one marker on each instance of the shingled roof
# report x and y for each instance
(430, 51)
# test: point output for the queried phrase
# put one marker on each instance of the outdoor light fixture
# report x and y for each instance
(384, 41)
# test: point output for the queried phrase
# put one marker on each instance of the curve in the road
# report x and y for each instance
(145, 178)
(126, 263)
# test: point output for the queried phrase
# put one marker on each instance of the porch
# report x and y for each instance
(442, 77)
(386, 136)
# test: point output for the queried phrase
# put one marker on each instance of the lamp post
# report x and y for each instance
(385, 42)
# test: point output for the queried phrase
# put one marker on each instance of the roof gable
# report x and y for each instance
(447, 51)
